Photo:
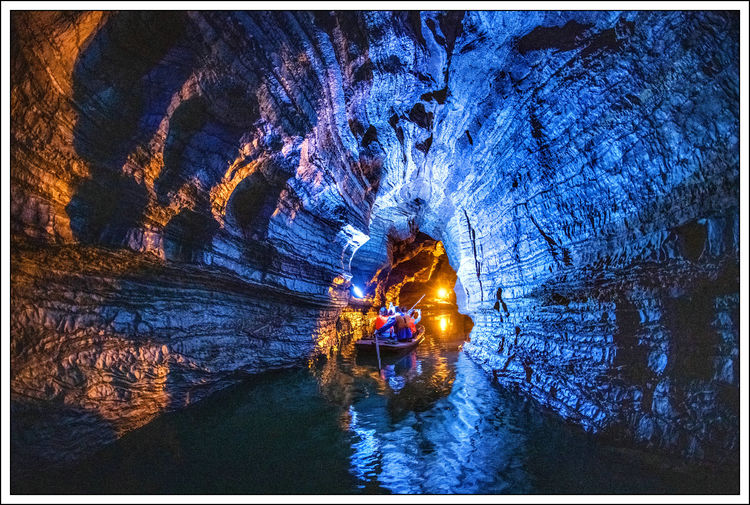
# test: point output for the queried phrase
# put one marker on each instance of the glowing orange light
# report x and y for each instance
(443, 323)
(442, 293)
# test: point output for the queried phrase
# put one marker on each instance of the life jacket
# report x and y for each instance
(412, 326)
(380, 321)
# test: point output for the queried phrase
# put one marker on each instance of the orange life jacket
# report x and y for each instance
(380, 321)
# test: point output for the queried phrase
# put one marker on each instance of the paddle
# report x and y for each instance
(412, 307)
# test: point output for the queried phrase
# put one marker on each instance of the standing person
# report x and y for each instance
(413, 322)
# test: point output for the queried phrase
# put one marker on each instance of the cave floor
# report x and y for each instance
(429, 422)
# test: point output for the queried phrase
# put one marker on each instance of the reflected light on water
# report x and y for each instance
(420, 422)
(429, 422)
(366, 454)
(390, 451)
(450, 445)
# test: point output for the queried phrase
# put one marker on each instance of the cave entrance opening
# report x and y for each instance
(417, 266)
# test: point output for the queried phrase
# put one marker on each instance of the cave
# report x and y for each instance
(208, 209)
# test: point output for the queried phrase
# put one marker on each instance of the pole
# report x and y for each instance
(377, 348)
(412, 307)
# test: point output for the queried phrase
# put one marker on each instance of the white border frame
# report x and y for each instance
(5, 495)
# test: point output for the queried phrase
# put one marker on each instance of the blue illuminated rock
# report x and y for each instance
(193, 192)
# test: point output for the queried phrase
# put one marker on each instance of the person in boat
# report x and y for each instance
(413, 322)
(382, 328)
(407, 329)
(403, 331)
(392, 312)
(398, 322)
(381, 318)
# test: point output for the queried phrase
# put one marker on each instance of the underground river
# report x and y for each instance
(429, 422)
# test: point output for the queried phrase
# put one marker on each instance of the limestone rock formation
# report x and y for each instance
(193, 193)
(415, 267)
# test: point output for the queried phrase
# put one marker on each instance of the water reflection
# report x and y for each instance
(407, 382)
(451, 446)
(424, 421)
(430, 421)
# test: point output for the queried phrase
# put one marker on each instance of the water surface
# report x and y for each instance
(430, 421)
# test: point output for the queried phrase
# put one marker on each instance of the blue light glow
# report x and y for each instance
(358, 292)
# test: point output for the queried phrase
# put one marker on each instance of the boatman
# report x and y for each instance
(413, 322)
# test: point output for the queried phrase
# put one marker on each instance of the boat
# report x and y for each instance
(390, 346)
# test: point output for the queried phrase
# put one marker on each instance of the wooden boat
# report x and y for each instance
(390, 346)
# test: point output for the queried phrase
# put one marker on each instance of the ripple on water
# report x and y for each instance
(430, 422)
(450, 446)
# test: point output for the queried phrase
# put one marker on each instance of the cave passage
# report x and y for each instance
(202, 197)
(418, 271)
(425, 421)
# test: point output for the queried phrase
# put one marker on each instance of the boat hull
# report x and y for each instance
(368, 344)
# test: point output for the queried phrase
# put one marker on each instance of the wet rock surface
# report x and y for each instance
(416, 266)
(192, 195)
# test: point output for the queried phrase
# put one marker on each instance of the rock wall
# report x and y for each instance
(186, 197)
(415, 267)
(192, 195)
(599, 252)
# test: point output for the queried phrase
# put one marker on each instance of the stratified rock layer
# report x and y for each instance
(193, 193)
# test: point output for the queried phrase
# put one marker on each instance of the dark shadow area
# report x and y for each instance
(186, 120)
(238, 441)
(691, 238)
(693, 338)
(105, 207)
(561, 38)
(123, 83)
(121, 80)
(631, 358)
(253, 202)
(204, 133)
(189, 234)
(31, 440)
(108, 83)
